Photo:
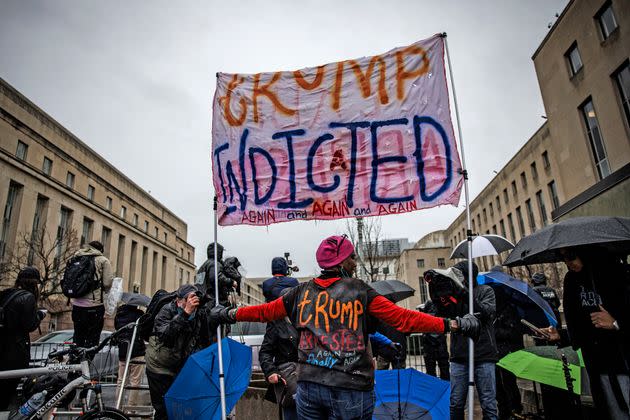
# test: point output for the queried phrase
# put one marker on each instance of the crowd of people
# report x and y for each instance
(325, 337)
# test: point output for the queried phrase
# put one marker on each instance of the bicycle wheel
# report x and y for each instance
(106, 413)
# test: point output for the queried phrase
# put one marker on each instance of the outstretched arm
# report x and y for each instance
(262, 313)
(405, 320)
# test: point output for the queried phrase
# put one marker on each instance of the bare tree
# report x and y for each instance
(49, 253)
(366, 234)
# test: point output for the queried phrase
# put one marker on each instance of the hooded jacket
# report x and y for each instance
(205, 275)
(21, 318)
(273, 286)
(485, 304)
(104, 274)
(175, 337)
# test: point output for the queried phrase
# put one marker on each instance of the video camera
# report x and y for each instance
(445, 291)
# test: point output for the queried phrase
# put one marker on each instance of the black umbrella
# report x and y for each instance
(482, 245)
(611, 233)
(393, 290)
(136, 299)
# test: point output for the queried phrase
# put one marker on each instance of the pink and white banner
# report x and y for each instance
(365, 137)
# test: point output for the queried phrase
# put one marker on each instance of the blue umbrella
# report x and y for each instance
(529, 304)
(195, 393)
(409, 394)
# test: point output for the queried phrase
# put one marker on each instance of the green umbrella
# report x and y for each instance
(544, 364)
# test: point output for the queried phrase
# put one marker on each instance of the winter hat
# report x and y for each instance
(333, 251)
(29, 273)
(97, 246)
(185, 289)
(539, 279)
(279, 266)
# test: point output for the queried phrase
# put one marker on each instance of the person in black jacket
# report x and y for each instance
(485, 355)
(180, 329)
(509, 335)
(21, 317)
(273, 286)
(596, 299)
(127, 314)
(434, 349)
(278, 357)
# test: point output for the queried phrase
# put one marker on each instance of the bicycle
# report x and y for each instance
(83, 382)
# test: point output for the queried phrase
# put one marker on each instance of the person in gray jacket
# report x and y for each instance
(88, 312)
(179, 330)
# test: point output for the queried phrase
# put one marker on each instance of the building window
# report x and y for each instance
(106, 240)
(90, 193)
(541, 208)
(622, 80)
(86, 233)
(47, 166)
(491, 206)
(595, 139)
(146, 226)
(479, 221)
(485, 216)
(606, 19)
(441, 263)
(63, 232)
(534, 171)
(506, 198)
(521, 222)
(135, 219)
(530, 215)
(11, 209)
(545, 159)
(511, 226)
(37, 232)
(498, 203)
(165, 237)
(523, 180)
(494, 229)
(514, 190)
(574, 59)
(422, 289)
(22, 149)
(188, 256)
(70, 180)
(108, 203)
(420, 263)
(123, 212)
(553, 194)
(181, 275)
(155, 231)
(502, 227)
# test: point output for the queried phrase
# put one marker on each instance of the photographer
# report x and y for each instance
(180, 329)
(205, 277)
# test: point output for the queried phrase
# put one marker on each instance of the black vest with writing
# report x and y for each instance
(334, 347)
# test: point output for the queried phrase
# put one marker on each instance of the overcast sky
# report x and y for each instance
(135, 80)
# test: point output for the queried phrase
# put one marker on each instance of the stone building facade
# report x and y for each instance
(50, 179)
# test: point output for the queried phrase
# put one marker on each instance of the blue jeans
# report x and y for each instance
(486, 389)
(315, 402)
(289, 413)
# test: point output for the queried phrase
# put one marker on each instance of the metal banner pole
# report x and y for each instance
(469, 235)
(128, 361)
(216, 293)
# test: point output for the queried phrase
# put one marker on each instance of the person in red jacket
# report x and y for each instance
(335, 367)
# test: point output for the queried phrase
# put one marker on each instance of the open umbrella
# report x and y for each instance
(393, 290)
(529, 304)
(409, 394)
(612, 233)
(195, 393)
(482, 245)
(544, 364)
(136, 299)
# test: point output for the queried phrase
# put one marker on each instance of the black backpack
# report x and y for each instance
(7, 301)
(159, 299)
(79, 277)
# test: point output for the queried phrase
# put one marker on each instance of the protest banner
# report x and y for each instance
(363, 137)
